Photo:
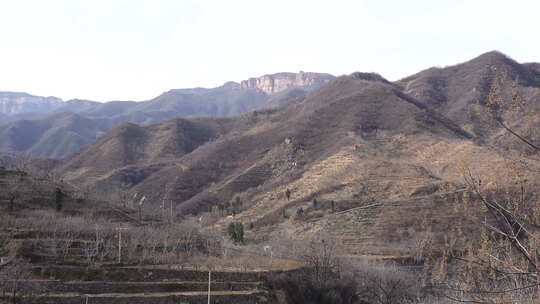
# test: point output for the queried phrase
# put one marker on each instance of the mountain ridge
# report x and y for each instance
(286, 79)
(20, 102)
(353, 142)
(226, 100)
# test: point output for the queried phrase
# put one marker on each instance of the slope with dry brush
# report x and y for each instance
(357, 141)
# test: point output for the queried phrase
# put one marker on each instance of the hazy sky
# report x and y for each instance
(135, 50)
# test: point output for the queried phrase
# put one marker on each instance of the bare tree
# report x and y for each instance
(322, 258)
(14, 189)
(500, 264)
(384, 284)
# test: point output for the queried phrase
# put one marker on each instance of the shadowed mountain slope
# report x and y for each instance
(53, 136)
(209, 161)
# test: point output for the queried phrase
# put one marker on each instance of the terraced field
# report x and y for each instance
(133, 285)
(54, 281)
(61, 280)
(63, 284)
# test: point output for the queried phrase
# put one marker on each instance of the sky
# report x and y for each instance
(136, 50)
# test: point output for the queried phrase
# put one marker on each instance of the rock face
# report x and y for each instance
(15, 103)
(282, 81)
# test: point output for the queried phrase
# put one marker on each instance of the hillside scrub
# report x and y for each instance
(362, 283)
(329, 277)
(498, 262)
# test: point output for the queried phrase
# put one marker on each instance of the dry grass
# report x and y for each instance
(232, 264)
(148, 295)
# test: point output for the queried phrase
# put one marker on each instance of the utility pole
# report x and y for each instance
(141, 202)
(162, 207)
(209, 280)
(171, 217)
(120, 244)
(271, 258)
(269, 249)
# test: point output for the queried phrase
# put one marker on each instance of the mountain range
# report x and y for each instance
(12, 103)
(50, 127)
(366, 160)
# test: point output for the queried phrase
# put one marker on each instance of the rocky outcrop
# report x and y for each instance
(282, 81)
(15, 103)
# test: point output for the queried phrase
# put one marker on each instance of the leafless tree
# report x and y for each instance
(384, 284)
(321, 256)
(14, 189)
(500, 264)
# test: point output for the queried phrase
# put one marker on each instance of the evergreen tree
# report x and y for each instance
(236, 232)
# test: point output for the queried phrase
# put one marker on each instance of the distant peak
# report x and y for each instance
(14, 94)
(369, 77)
(274, 83)
(230, 85)
(493, 57)
(80, 101)
(20, 102)
(128, 124)
(494, 54)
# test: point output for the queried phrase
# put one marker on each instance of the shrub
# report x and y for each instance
(385, 284)
(298, 290)
(236, 232)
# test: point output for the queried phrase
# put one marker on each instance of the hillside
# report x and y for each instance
(383, 182)
(364, 148)
(66, 252)
(227, 100)
(457, 91)
(3, 118)
(53, 136)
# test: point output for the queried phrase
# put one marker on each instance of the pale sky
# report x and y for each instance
(135, 49)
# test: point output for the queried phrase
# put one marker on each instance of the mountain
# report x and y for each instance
(279, 82)
(459, 90)
(370, 162)
(3, 118)
(17, 103)
(227, 100)
(364, 106)
(77, 106)
(230, 99)
(53, 136)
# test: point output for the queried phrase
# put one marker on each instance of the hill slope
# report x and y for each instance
(357, 132)
(52, 136)
(457, 92)
(370, 162)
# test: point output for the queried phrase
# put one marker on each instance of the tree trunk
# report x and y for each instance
(14, 294)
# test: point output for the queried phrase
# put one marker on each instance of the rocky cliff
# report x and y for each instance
(16, 103)
(282, 81)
